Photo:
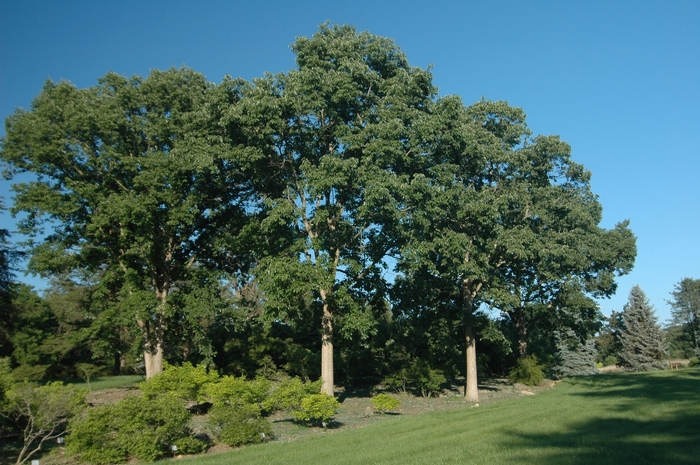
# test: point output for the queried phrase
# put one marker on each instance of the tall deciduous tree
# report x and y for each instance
(642, 341)
(341, 130)
(685, 309)
(509, 219)
(137, 179)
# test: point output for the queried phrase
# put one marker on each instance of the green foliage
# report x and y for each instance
(185, 382)
(685, 310)
(419, 376)
(41, 413)
(6, 378)
(317, 409)
(189, 446)
(574, 358)
(643, 345)
(610, 360)
(230, 390)
(122, 173)
(237, 425)
(136, 427)
(384, 403)
(527, 371)
(288, 394)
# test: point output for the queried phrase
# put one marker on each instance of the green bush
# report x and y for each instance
(186, 382)
(289, 394)
(397, 381)
(417, 377)
(317, 409)
(237, 425)
(190, 446)
(41, 413)
(230, 390)
(528, 371)
(610, 360)
(385, 403)
(134, 428)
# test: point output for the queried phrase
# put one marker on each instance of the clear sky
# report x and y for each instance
(619, 81)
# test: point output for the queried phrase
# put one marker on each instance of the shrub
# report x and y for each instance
(237, 425)
(527, 372)
(426, 379)
(134, 428)
(230, 390)
(385, 403)
(317, 409)
(190, 446)
(419, 376)
(42, 413)
(289, 394)
(186, 382)
(610, 360)
(397, 381)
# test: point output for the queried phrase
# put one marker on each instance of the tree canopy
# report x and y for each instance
(140, 183)
(343, 203)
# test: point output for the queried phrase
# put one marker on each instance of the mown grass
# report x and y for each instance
(622, 418)
(106, 382)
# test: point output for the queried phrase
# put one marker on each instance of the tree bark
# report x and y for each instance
(328, 386)
(471, 388)
(521, 325)
(153, 334)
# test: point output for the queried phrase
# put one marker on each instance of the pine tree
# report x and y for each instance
(573, 357)
(643, 345)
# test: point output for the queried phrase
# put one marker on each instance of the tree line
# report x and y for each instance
(339, 221)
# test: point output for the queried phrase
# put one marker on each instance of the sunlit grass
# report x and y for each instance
(106, 382)
(635, 418)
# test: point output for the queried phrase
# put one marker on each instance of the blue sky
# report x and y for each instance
(619, 81)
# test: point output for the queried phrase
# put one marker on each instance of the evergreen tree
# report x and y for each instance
(643, 346)
(574, 358)
(685, 309)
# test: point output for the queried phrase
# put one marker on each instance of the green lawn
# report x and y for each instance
(629, 418)
(106, 382)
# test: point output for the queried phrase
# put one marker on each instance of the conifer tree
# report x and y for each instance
(574, 357)
(643, 346)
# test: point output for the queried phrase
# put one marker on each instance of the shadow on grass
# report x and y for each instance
(662, 427)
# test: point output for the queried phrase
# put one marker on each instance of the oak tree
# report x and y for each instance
(136, 180)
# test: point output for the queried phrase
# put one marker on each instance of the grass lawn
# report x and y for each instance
(107, 382)
(620, 418)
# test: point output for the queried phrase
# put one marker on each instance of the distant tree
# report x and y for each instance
(608, 341)
(643, 346)
(685, 309)
(8, 256)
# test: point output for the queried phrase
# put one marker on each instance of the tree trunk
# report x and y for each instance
(117, 365)
(521, 325)
(153, 360)
(471, 388)
(328, 386)
(153, 333)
